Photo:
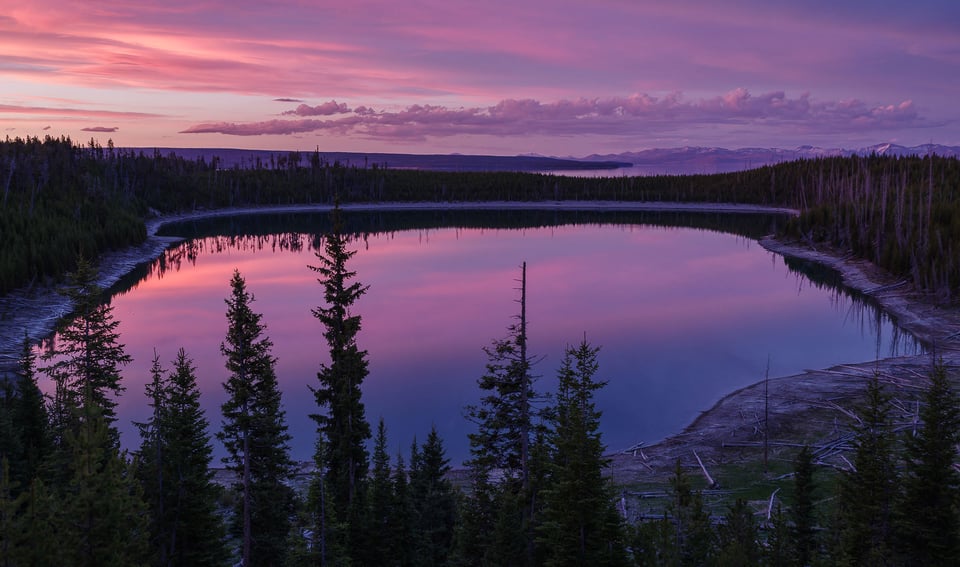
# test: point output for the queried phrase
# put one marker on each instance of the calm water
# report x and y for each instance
(683, 316)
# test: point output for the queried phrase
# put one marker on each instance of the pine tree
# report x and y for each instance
(88, 356)
(580, 525)
(434, 504)
(175, 457)
(341, 419)
(401, 532)
(928, 525)
(695, 539)
(103, 519)
(864, 516)
(506, 421)
(254, 432)
(802, 512)
(380, 520)
(30, 415)
(737, 536)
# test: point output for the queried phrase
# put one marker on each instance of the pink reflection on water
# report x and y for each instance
(682, 316)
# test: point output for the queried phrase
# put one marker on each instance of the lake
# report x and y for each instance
(686, 309)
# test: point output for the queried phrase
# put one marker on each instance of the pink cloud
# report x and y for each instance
(326, 109)
(623, 116)
(73, 112)
(100, 129)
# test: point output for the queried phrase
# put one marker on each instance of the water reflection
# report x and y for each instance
(683, 316)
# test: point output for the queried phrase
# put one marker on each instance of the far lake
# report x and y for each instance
(683, 316)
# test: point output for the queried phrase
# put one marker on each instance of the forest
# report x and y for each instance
(534, 493)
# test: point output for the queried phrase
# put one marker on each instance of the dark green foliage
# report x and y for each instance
(928, 526)
(342, 421)
(254, 432)
(434, 504)
(864, 519)
(579, 525)
(695, 537)
(328, 542)
(86, 361)
(29, 413)
(380, 521)
(779, 549)
(102, 519)
(737, 537)
(175, 458)
(803, 512)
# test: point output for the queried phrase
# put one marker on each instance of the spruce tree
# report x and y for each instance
(928, 525)
(341, 419)
(30, 415)
(254, 432)
(507, 420)
(434, 504)
(802, 512)
(380, 512)
(695, 538)
(866, 493)
(580, 525)
(87, 357)
(175, 458)
(737, 536)
(102, 519)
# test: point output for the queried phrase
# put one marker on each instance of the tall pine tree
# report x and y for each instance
(254, 432)
(341, 420)
(86, 360)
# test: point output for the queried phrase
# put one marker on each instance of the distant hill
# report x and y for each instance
(659, 161)
(694, 159)
(433, 162)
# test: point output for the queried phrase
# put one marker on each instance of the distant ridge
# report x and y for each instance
(659, 161)
(433, 162)
(695, 159)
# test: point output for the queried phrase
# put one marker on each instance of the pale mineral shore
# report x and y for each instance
(36, 311)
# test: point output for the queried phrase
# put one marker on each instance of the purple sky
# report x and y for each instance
(499, 77)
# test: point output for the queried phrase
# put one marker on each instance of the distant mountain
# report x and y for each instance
(694, 159)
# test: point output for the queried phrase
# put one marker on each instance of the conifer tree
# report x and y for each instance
(102, 519)
(254, 432)
(802, 512)
(380, 513)
(864, 516)
(506, 419)
(87, 358)
(434, 503)
(401, 532)
(928, 525)
(175, 457)
(29, 412)
(341, 420)
(580, 525)
(737, 536)
(695, 539)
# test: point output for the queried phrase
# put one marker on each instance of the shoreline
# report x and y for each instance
(37, 310)
(812, 406)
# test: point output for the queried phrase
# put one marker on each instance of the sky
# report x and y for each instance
(500, 77)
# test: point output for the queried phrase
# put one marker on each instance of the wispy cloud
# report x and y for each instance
(72, 112)
(284, 99)
(622, 116)
(100, 129)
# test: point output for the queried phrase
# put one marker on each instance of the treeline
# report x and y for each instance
(62, 199)
(535, 493)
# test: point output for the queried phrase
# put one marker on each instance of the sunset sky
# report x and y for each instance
(495, 77)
